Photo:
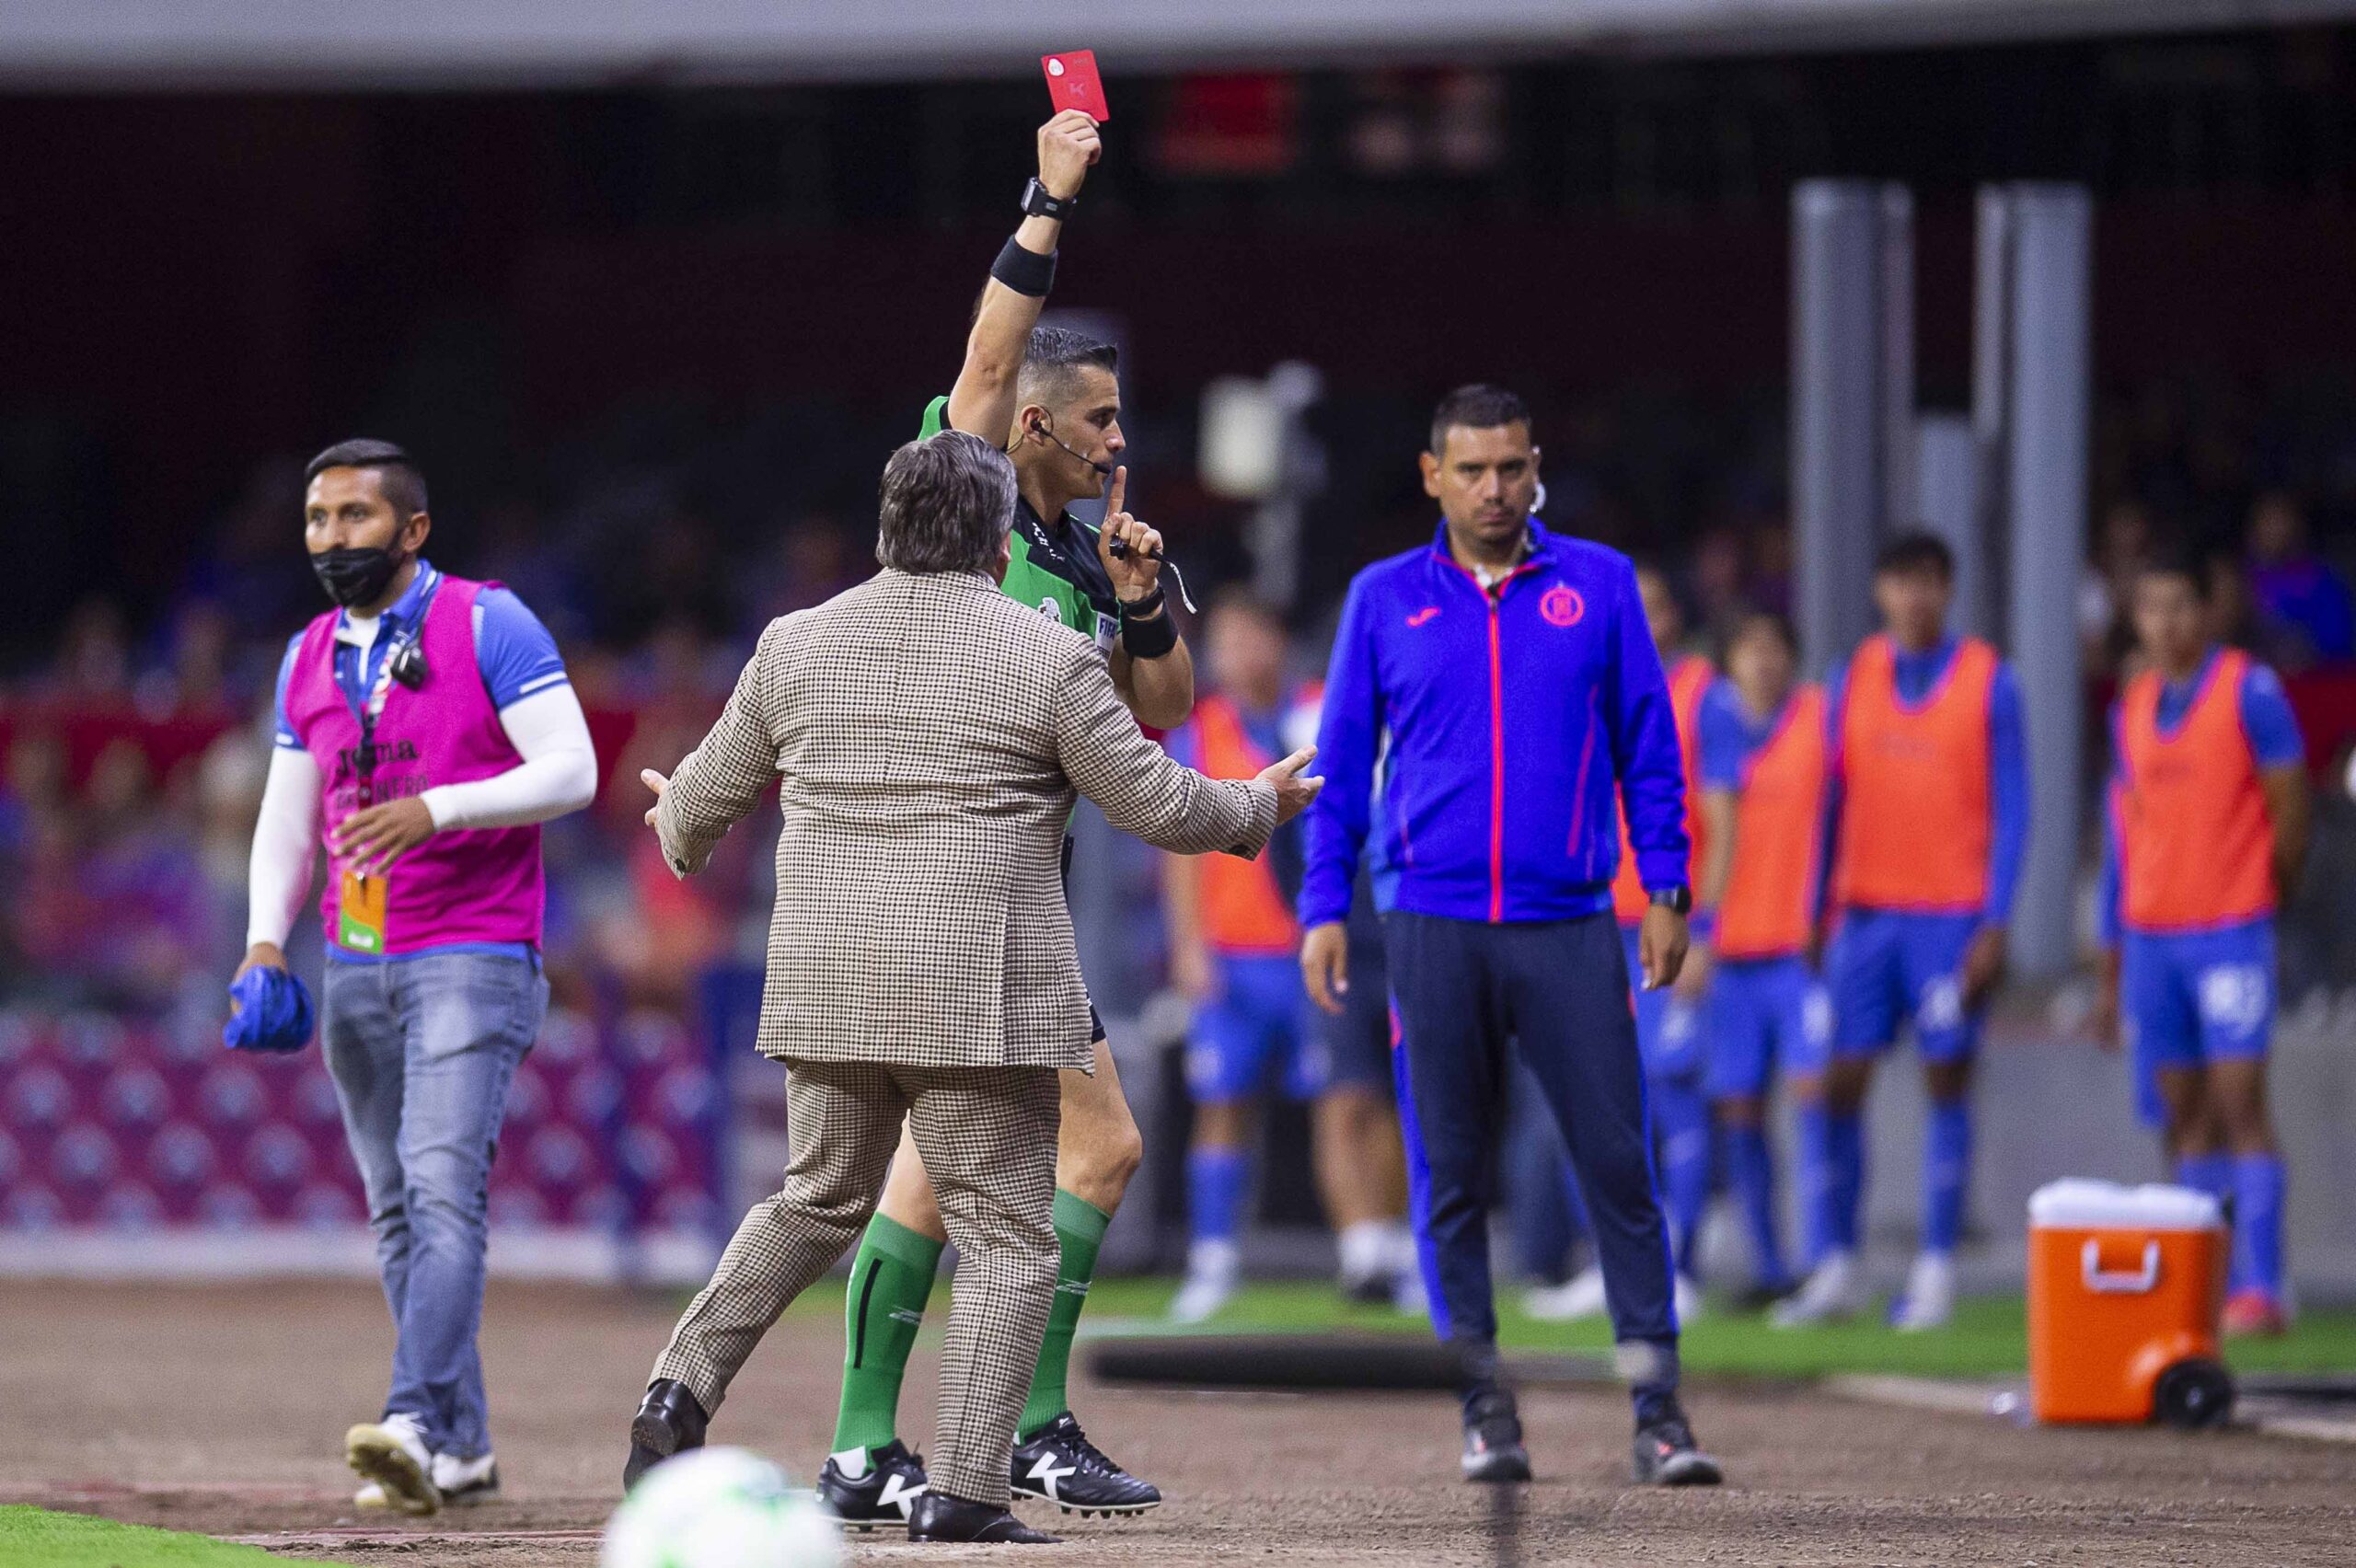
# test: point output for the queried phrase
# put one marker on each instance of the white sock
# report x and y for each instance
(1366, 1247)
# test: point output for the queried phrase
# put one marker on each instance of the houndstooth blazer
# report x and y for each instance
(927, 734)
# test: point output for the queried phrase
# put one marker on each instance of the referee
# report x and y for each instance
(1052, 400)
(1513, 674)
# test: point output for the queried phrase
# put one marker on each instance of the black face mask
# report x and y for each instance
(355, 576)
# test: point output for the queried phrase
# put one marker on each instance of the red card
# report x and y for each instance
(1073, 83)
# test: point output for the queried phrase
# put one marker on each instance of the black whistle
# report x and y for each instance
(1120, 549)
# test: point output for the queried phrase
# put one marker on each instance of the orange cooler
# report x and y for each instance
(2125, 1285)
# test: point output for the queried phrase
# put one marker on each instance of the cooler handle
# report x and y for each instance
(2118, 1282)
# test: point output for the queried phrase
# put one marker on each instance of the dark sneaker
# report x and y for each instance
(1752, 1300)
(883, 1493)
(1492, 1450)
(1667, 1454)
(1061, 1466)
(466, 1482)
(668, 1422)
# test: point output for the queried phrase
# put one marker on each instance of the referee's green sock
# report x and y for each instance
(1080, 1234)
(891, 1280)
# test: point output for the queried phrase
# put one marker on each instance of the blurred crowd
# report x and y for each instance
(131, 755)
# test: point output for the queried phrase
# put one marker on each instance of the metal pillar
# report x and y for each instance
(1852, 369)
(1947, 502)
(1992, 320)
(2049, 245)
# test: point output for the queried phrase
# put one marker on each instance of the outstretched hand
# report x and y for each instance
(1293, 791)
(657, 783)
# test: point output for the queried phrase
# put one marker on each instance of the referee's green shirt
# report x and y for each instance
(1055, 569)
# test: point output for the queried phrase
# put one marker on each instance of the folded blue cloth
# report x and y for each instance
(269, 1010)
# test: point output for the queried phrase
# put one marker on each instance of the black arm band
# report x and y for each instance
(1149, 639)
(1024, 271)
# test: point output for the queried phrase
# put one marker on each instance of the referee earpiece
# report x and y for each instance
(1039, 427)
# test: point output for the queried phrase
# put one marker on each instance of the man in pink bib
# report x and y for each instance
(426, 730)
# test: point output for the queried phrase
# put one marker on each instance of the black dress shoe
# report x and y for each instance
(939, 1516)
(668, 1422)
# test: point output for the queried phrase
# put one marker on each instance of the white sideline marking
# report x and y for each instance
(2260, 1414)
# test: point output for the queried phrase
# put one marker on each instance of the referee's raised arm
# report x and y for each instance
(983, 401)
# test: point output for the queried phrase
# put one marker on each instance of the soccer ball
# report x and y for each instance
(720, 1508)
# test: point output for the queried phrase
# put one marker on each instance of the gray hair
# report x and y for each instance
(947, 504)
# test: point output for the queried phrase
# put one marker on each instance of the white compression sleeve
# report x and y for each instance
(558, 773)
(286, 842)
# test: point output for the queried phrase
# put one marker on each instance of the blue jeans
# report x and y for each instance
(423, 1050)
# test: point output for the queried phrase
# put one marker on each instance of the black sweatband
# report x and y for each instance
(1149, 639)
(1024, 271)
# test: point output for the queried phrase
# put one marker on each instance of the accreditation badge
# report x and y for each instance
(360, 913)
(1108, 631)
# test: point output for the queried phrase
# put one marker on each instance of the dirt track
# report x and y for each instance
(222, 1409)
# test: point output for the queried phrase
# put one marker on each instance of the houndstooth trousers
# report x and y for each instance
(987, 1136)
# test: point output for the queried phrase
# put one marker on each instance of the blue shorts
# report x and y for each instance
(1762, 1012)
(1888, 968)
(1669, 1028)
(1353, 1050)
(1254, 1029)
(2194, 997)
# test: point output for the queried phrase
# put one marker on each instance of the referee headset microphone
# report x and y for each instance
(1039, 426)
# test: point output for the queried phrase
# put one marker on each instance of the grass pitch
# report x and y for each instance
(36, 1537)
(1988, 1339)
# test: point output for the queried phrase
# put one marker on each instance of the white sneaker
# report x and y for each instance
(1581, 1295)
(392, 1454)
(1836, 1290)
(1689, 1299)
(1212, 1269)
(465, 1480)
(1929, 1301)
(1367, 1273)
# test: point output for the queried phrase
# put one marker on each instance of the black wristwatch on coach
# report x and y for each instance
(1038, 203)
(1676, 900)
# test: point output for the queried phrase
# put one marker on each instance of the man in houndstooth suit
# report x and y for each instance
(927, 734)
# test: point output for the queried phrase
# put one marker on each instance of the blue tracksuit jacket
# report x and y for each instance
(1512, 713)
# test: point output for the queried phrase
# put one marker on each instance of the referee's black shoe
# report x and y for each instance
(1061, 1466)
(669, 1421)
(1667, 1454)
(1492, 1450)
(884, 1493)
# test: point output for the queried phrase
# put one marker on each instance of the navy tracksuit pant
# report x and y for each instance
(1465, 990)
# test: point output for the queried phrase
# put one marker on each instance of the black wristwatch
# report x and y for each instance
(1676, 900)
(1038, 203)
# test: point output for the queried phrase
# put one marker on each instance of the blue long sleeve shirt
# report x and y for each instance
(1917, 675)
(1516, 717)
(2267, 724)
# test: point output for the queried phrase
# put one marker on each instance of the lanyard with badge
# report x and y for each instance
(361, 900)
